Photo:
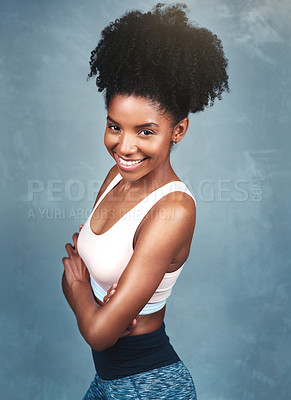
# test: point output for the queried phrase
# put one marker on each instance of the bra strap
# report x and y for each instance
(142, 208)
(111, 185)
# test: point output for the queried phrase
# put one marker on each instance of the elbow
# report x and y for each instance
(99, 346)
(98, 339)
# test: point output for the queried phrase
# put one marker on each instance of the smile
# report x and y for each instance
(129, 165)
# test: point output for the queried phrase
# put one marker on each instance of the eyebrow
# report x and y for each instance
(137, 126)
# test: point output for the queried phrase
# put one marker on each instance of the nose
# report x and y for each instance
(127, 143)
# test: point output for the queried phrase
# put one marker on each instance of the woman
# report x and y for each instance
(155, 68)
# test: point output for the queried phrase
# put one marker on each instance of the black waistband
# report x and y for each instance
(134, 354)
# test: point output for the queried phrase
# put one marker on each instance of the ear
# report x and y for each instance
(180, 130)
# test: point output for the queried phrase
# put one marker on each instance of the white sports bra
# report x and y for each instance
(106, 255)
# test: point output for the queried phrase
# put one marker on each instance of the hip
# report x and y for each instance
(135, 354)
(171, 381)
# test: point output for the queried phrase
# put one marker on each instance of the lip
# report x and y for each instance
(131, 167)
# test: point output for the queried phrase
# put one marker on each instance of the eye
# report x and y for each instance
(146, 132)
(113, 127)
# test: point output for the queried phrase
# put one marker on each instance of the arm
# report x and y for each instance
(65, 286)
(68, 292)
(70, 299)
(84, 274)
(164, 237)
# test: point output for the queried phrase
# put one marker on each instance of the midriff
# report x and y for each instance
(145, 323)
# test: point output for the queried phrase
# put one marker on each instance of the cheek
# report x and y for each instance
(109, 141)
(160, 147)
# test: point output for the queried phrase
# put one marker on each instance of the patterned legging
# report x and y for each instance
(173, 381)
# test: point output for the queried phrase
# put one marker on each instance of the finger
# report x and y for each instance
(65, 261)
(132, 326)
(109, 290)
(75, 239)
(113, 287)
(125, 333)
(109, 295)
(134, 323)
(80, 227)
(69, 248)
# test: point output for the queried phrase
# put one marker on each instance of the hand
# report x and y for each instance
(110, 293)
(75, 268)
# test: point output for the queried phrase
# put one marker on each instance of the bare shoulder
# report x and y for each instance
(174, 212)
(178, 204)
(180, 201)
(109, 177)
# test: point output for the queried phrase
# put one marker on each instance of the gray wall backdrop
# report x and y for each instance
(229, 314)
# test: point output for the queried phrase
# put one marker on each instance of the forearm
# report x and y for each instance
(68, 293)
(86, 310)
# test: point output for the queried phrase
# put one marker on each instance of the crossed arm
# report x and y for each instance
(159, 241)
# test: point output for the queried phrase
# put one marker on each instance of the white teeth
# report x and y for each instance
(128, 163)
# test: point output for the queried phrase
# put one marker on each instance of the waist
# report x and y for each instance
(135, 354)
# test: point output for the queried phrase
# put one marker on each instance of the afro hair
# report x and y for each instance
(163, 57)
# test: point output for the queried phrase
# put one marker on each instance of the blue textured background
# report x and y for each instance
(229, 314)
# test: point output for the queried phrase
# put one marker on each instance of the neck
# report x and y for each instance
(151, 181)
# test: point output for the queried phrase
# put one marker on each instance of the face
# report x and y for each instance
(138, 137)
